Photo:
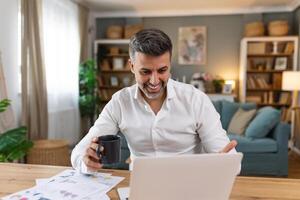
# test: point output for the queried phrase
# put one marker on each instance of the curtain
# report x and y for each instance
(83, 23)
(7, 117)
(83, 29)
(62, 50)
(34, 92)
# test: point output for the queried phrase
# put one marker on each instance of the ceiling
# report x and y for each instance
(117, 8)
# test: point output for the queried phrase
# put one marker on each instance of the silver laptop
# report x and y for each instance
(188, 177)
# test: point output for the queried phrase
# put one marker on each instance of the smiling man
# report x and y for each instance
(158, 116)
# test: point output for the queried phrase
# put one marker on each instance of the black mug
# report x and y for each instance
(112, 149)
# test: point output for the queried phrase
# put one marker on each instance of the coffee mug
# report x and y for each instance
(112, 149)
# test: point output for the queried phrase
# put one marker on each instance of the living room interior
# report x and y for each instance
(243, 54)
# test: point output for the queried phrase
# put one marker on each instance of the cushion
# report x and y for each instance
(265, 119)
(249, 145)
(229, 108)
(240, 121)
(218, 106)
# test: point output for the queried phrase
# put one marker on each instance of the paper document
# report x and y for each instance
(123, 193)
(70, 184)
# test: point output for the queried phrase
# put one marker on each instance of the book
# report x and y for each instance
(265, 97)
(286, 114)
(285, 98)
(254, 99)
(270, 97)
(101, 81)
(289, 48)
(277, 79)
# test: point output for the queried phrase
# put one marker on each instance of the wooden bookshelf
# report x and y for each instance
(113, 70)
(262, 61)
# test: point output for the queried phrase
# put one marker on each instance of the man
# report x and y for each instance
(158, 116)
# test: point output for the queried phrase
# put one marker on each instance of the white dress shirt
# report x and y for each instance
(187, 123)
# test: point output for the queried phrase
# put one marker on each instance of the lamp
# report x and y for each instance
(291, 82)
(228, 86)
(231, 82)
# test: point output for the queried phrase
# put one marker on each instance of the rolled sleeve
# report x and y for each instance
(106, 124)
(211, 133)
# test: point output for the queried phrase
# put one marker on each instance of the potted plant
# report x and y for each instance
(87, 90)
(14, 144)
(218, 84)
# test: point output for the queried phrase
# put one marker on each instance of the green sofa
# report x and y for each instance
(263, 155)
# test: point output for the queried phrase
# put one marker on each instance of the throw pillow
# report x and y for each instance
(218, 106)
(265, 119)
(240, 121)
(229, 108)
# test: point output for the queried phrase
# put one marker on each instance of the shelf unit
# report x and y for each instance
(112, 56)
(262, 61)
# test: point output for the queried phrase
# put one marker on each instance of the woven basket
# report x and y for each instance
(278, 28)
(49, 152)
(114, 32)
(130, 30)
(254, 29)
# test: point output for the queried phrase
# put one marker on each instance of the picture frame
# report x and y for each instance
(118, 63)
(192, 45)
(281, 63)
(114, 81)
(126, 81)
(227, 89)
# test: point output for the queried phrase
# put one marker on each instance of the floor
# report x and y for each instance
(294, 165)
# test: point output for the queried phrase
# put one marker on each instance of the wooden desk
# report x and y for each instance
(15, 177)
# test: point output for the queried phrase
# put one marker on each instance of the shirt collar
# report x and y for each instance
(170, 90)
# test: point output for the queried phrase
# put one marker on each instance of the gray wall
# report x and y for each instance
(297, 20)
(223, 38)
(224, 33)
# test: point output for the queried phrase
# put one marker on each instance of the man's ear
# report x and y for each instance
(130, 63)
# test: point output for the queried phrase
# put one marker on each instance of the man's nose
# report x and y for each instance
(154, 78)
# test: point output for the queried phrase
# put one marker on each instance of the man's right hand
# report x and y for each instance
(91, 160)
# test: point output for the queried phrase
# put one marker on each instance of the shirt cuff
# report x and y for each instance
(84, 170)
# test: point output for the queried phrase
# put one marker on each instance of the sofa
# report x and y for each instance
(264, 154)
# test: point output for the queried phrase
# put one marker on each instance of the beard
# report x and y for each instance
(153, 91)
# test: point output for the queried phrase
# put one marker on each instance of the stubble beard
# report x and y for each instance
(153, 95)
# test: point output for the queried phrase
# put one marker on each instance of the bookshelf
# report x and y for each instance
(113, 70)
(262, 61)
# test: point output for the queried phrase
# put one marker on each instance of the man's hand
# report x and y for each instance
(232, 144)
(91, 160)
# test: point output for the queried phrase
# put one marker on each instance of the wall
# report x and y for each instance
(224, 33)
(297, 20)
(223, 38)
(9, 49)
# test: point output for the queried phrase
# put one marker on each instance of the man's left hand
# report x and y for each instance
(232, 144)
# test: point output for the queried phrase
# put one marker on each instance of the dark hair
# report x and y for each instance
(152, 42)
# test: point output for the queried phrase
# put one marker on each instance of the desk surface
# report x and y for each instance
(15, 177)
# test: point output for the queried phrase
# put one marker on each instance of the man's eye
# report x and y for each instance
(145, 72)
(161, 71)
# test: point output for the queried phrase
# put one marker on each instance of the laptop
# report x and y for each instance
(188, 177)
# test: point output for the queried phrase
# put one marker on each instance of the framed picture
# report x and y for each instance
(126, 81)
(114, 81)
(227, 89)
(192, 45)
(118, 63)
(280, 63)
